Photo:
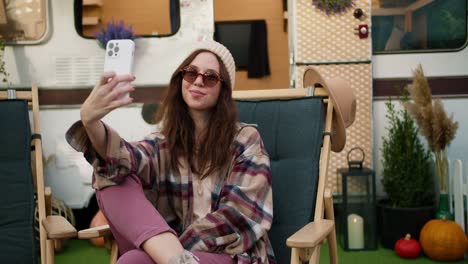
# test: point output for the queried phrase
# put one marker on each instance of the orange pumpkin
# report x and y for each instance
(98, 220)
(444, 240)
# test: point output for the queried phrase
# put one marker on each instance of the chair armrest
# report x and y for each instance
(58, 227)
(311, 234)
(95, 232)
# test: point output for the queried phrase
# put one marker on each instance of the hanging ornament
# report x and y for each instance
(333, 6)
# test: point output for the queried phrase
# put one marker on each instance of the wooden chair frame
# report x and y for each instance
(51, 228)
(305, 243)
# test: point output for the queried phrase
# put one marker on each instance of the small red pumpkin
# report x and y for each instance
(98, 220)
(407, 247)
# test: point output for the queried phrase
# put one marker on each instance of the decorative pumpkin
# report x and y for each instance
(443, 240)
(407, 247)
(98, 220)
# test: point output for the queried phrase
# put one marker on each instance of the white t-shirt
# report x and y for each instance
(201, 196)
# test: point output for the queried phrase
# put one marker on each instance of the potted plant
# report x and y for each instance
(333, 6)
(407, 179)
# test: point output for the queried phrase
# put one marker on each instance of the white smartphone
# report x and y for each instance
(119, 58)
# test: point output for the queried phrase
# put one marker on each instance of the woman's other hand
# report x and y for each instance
(104, 97)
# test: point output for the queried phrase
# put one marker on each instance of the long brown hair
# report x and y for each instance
(214, 152)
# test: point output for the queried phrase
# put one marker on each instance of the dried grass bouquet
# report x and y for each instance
(434, 124)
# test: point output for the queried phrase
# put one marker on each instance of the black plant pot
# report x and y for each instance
(395, 223)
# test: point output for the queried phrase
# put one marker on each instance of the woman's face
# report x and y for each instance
(201, 94)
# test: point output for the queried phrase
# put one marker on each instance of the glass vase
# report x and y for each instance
(442, 171)
(441, 164)
(443, 211)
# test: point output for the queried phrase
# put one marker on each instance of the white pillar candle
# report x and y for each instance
(355, 232)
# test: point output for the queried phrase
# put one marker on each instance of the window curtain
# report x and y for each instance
(174, 11)
(259, 64)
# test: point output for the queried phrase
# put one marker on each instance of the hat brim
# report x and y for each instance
(312, 78)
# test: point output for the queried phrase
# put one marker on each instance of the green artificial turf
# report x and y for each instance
(380, 256)
(82, 252)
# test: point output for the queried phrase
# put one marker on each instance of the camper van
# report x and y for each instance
(59, 45)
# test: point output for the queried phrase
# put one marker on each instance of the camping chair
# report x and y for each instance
(18, 184)
(293, 133)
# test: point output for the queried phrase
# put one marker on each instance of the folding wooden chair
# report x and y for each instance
(296, 130)
(19, 184)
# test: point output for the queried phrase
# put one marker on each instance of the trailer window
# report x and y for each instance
(23, 20)
(146, 17)
(418, 25)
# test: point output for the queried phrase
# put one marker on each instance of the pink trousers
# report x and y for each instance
(133, 220)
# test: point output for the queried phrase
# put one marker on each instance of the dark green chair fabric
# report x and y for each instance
(17, 241)
(292, 131)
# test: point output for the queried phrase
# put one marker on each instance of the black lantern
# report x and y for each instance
(358, 206)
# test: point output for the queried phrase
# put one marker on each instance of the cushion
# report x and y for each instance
(17, 242)
(291, 130)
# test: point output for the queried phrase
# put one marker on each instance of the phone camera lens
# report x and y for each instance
(116, 49)
(111, 45)
(110, 53)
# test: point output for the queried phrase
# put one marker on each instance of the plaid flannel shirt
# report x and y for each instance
(241, 201)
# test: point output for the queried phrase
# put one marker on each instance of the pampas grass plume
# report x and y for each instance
(433, 122)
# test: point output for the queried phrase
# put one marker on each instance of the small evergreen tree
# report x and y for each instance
(407, 168)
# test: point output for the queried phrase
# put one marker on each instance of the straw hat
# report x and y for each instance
(344, 104)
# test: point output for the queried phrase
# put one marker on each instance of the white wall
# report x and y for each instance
(55, 122)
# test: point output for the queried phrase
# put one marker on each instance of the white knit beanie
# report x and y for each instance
(220, 50)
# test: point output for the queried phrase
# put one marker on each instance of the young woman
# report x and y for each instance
(199, 190)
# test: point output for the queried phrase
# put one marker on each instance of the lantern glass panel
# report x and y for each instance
(357, 215)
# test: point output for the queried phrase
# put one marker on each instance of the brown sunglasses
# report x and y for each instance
(210, 78)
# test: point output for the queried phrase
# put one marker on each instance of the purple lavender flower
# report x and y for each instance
(112, 31)
(333, 6)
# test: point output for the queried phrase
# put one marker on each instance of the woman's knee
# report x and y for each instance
(135, 256)
(129, 213)
(130, 187)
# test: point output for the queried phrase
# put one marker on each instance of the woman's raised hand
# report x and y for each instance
(104, 97)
